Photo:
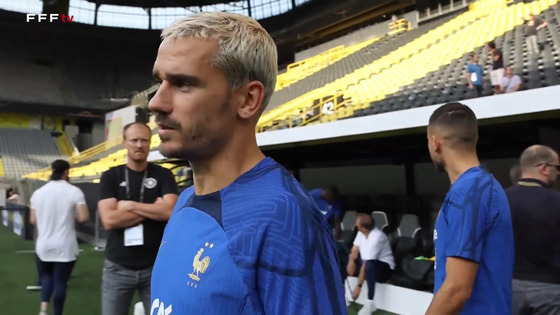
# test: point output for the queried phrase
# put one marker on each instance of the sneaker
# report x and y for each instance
(43, 313)
(33, 288)
(368, 309)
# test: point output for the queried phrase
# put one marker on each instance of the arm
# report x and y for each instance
(361, 279)
(163, 207)
(495, 57)
(517, 85)
(33, 217)
(337, 227)
(542, 25)
(12, 199)
(468, 74)
(502, 86)
(113, 217)
(337, 215)
(351, 267)
(82, 213)
(457, 287)
(160, 210)
(32, 211)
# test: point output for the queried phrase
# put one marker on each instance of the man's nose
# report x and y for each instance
(161, 101)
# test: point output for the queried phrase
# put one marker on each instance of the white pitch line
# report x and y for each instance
(31, 251)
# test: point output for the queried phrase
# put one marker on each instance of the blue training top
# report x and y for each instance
(475, 224)
(258, 246)
(476, 69)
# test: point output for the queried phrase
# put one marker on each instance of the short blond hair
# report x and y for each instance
(246, 51)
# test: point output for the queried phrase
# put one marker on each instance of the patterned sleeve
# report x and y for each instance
(296, 268)
(467, 220)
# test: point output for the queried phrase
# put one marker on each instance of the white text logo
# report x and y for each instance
(49, 18)
(161, 309)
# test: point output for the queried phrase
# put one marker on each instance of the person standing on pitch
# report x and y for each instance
(473, 234)
(54, 208)
(135, 202)
(247, 238)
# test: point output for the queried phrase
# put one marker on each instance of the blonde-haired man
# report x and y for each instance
(247, 237)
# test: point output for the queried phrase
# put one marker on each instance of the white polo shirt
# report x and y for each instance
(55, 207)
(375, 246)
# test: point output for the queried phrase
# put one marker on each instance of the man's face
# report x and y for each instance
(509, 71)
(475, 58)
(434, 147)
(359, 225)
(553, 172)
(194, 103)
(137, 142)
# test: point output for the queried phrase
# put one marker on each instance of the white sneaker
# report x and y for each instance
(43, 313)
(368, 308)
(33, 288)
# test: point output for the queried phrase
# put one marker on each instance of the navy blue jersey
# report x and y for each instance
(475, 224)
(258, 246)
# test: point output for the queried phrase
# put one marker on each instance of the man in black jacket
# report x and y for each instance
(535, 213)
(135, 203)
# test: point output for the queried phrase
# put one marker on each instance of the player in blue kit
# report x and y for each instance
(473, 233)
(328, 201)
(247, 237)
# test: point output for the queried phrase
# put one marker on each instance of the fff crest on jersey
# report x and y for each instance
(200, 264)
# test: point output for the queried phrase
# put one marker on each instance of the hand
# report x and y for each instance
(125, 205)
(471, 86)
(356, 293)
(351, 268)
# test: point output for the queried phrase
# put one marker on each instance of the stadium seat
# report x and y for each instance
(380, 218)
(409, 225)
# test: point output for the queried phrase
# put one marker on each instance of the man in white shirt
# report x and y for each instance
(371, 259)
(511, 82)
(54, 208)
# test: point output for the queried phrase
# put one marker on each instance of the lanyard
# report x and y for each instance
(141, 185)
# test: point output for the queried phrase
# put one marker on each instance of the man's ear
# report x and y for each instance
(544, 170)
(252, 98)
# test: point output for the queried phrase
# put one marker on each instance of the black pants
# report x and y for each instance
(54, 278)
(39, 265)
(477, 90)
(376, 271)
(535, 298)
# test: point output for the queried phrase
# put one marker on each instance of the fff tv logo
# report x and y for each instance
(44, 17)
